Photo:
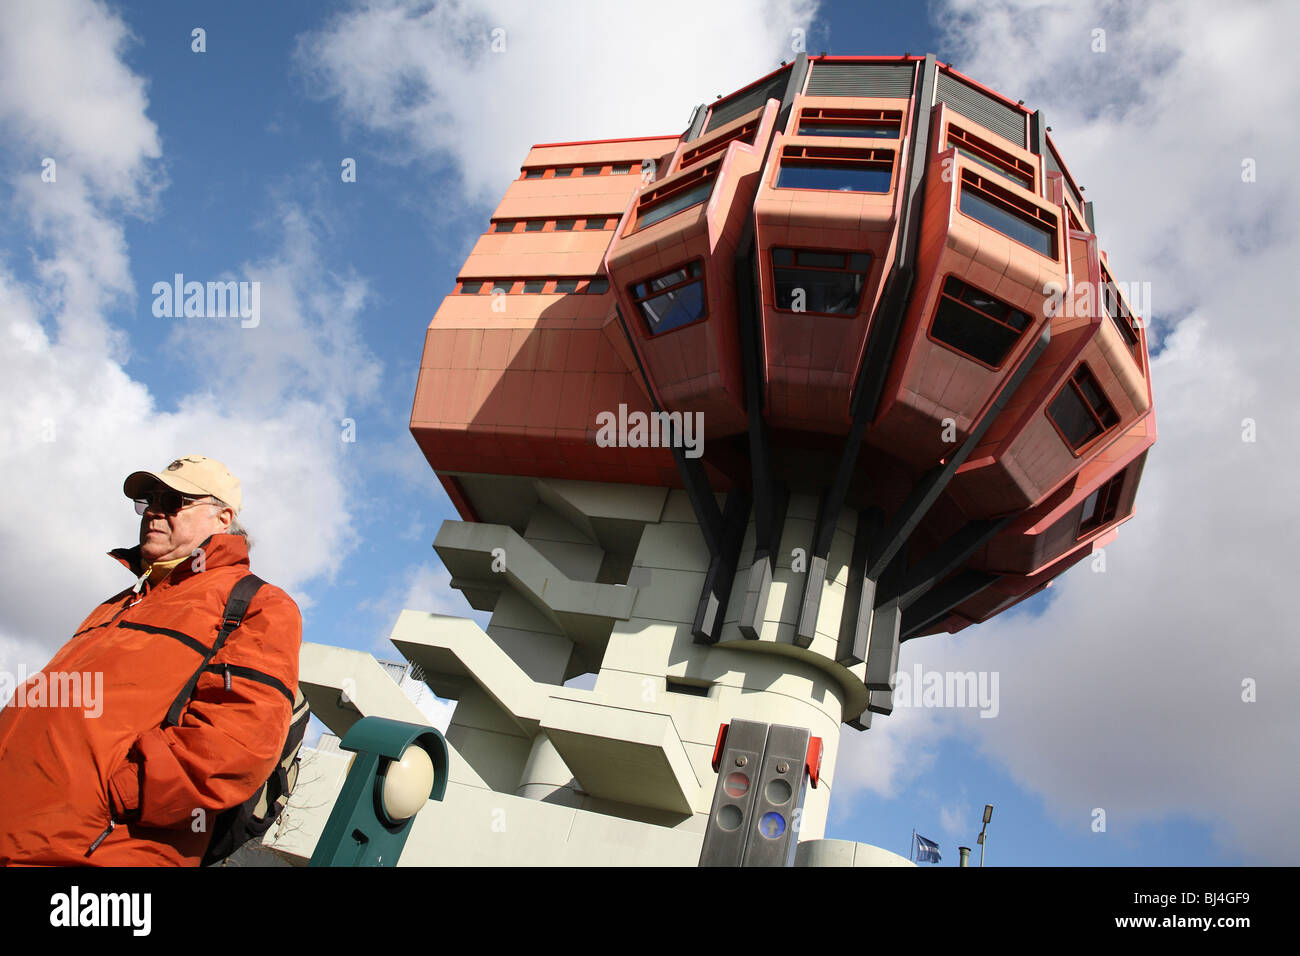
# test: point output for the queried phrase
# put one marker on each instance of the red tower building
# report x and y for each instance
(877, 282)
(728, 416)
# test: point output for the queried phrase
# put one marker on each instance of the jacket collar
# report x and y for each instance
(219, 551)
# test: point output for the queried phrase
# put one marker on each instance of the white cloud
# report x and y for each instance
(267, 400)
(426, 78)
(1126, 693)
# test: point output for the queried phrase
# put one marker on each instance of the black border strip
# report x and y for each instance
(185, 639)
(255, 675)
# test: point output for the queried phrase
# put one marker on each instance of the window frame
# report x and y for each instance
(843, 157)
(934, 315)
(650, 333)
(744, 134)
(834, 116)
(1001, 198)
(1083, 369)
(845, 269)
(991, 157)
(1107, 497)
(663, 194)
(1129, 330)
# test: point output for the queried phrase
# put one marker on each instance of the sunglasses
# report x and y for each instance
(167, 502)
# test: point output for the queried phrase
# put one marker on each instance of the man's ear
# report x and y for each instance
(225, 517)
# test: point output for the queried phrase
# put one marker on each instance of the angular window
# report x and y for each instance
(470, 288)
(503, 286)
(836, 168)
(1016, 219)
(1081, 411)
(534, 225)
(863, 124)
(595, 224)
(1100, 507)
(566, 285)
(504, 226)
(565, 225)
(619, 169)
(598, 286)
(533, 173)
(591, 170)
(743, 134)
(534, 286)
(673, 299)
(821, 283)
(692, 189)
(976, 324)
(1119, 314)
(563, 171)
(991, 157)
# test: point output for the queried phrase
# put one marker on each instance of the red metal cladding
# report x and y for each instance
(826, 218)
(672, 265)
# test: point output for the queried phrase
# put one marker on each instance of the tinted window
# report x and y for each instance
(824, 128)
(972, 333)
(598, 286)
(670, 207)
(470, 288)
(1038, 238)
(534, 286)
(975, 323)
(534, 225)
(595, 224)
(591, 170)
(566, 285)
(565, 225)
(1021, 181)
(680, 304)
(1072, 418)
(850, 178)
(821, 282)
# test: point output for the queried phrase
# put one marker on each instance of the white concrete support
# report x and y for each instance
(605, 578)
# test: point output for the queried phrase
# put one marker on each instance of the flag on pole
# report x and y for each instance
(927, 851)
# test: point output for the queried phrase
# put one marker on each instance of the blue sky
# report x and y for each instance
(1121, 689)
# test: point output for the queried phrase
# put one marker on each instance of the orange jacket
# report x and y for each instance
(65, 770)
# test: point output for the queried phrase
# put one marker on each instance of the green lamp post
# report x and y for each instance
(398, 768)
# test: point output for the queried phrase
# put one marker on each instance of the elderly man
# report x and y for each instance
(184, 732)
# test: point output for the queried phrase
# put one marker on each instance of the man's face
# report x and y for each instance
(164, 536)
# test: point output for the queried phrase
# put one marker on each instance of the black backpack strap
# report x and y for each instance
(241, 596)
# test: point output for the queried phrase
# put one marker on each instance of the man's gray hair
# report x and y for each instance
(235, 526)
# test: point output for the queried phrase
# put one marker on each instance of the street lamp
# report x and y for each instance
(988, 815)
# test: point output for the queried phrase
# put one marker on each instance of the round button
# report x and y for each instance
(772, 825)
(778, 791)
(736, 784)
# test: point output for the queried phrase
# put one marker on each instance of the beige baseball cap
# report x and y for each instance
(191, 475)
